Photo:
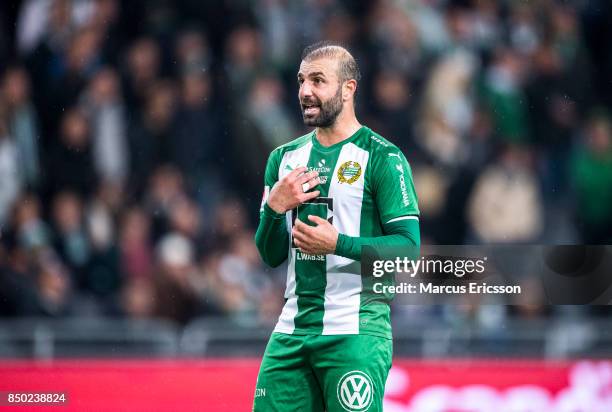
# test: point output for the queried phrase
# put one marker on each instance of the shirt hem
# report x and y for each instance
(301, 332)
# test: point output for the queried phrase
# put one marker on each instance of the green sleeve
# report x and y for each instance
(396, 200)
(392, 186)
(272, 237)
(400, 233)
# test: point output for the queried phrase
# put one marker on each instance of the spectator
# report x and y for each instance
(105, 17)
(165, 189)
(143, 67)
(244, 52)
(195, 138)
(192, 51)
(17, 291)
(447, 111)
(396, 39)
(76, 68)
(506, 205)
(487, 24)
(71, 239)
(591, 171)
(558, 89)
(135, 245)
(241, 268)
(279, 24)
(523, 33)
(30, 231)
(460, 25)
(502, 90)
(138, 299)
(54, 287)
(176, 299)
(104, 275)
(102, 103)
(22, 123)
(49, 19)
(339, 26)
(45, 55)
(229, 217)
(185, 219)
(392, 114)
(70, 161)
(150, 135)
(10, 177)
(267, 111)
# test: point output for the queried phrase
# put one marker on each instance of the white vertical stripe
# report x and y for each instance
(286, 324)
(343, 290)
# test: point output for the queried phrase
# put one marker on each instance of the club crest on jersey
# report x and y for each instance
(349, 172)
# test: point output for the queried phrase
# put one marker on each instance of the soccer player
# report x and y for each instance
(326, 195)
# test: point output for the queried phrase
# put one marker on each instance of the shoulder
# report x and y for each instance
(380, 148)
(276, 156)
(292, 145)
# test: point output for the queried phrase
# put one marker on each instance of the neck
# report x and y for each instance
(344, 127)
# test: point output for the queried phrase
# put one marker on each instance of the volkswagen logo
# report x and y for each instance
(355, 391)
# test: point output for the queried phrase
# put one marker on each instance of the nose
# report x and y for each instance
(305, 89)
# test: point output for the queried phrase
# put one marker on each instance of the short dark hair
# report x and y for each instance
(347, 66)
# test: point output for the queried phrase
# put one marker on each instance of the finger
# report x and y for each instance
(303, 228)
(309, 195)
(311, 183)
(295, 173)
(307, 176)
(298, 225)
(299, 237)
(304, 248)
(316, 219)
(297, 242)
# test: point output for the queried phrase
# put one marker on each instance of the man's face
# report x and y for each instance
(320, 92)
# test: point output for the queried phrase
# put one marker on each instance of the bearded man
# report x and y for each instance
(327, 194)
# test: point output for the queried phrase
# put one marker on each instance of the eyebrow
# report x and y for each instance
(313, 74)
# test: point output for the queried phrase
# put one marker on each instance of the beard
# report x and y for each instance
(329, 110)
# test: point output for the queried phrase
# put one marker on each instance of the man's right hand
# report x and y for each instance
(288, 192)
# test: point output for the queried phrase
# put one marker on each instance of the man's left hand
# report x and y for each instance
(315, 240)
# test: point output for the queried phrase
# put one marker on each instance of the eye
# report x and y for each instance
(300, 81)
(318, 80)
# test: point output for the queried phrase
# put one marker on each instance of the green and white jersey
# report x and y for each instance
(366, 182)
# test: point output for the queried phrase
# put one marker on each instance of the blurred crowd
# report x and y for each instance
(134, 135)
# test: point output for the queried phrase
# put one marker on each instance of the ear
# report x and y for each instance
(348, 89)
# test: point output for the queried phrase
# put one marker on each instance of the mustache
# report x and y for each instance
(310, 101)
